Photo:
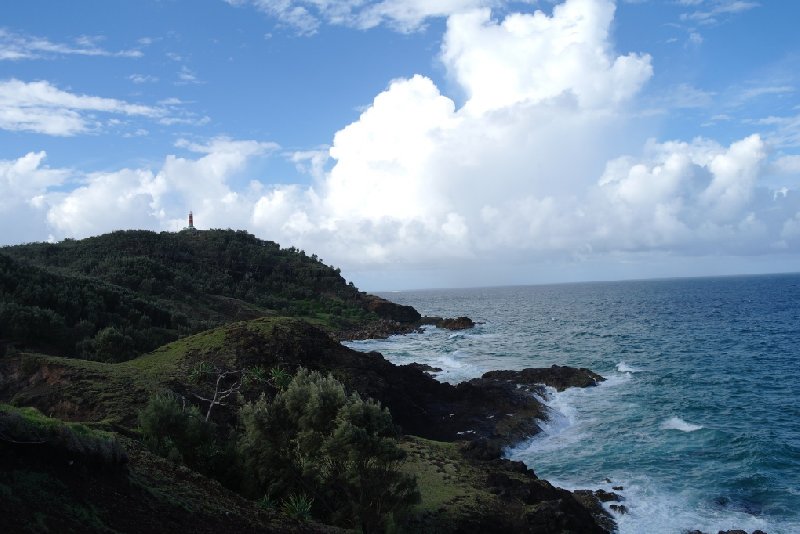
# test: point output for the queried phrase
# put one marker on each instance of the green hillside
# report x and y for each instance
(118, 295)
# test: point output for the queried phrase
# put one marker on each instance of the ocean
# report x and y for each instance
(698, 419)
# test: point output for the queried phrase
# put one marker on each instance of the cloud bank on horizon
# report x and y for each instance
(537, 150)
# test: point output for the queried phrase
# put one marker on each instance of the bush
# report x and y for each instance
(314, 438)
(179, 432)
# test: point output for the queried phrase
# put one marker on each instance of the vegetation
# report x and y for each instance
(313, 438)
(172, 439)
(312, 447)
(121, 294)
(29, 427)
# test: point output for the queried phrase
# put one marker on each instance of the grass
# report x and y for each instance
(113, 393)
(28, 426)
(447, 483)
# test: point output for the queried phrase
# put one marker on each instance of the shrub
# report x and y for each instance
(313, 437)
(298, 506)
(179, 432)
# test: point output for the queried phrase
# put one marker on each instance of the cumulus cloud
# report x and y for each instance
(25, 178)
(43, 108)
(543, 161)
(538, 57)
(157, 199)
(23, 184)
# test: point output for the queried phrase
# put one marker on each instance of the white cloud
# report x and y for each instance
(787, 165)
(19, 46)
(23, 179)
(306, 16)
(536, 57)
(751, 93)
(678, 194)
(43, 108)
(685, 96)
(143, 198)
(715, 9)
(528, 170)
(142, 78)
(785, 130)
(187, 76)
(23, 184)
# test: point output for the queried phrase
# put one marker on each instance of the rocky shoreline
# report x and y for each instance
(503, 410)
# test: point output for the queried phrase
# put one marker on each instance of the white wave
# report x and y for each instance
(561, 428)
(651, 509)
(616, 379)
(623, 367)
(454, 369)
(676, 423)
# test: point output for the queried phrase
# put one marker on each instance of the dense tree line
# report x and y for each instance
(113, 296)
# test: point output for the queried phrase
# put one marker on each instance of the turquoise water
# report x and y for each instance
(699, 419)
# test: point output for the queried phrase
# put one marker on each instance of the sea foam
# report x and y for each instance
(676, 423)
(623, 367)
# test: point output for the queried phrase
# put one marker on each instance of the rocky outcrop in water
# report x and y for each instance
(457, 323)
(389, 310)
(556, 376)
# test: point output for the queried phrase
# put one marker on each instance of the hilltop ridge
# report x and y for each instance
(117, 295)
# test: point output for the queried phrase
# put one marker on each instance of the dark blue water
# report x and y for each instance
(699, 419)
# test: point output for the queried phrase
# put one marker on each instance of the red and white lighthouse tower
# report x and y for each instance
(191, 221)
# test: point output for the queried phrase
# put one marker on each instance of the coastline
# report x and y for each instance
(543, 324)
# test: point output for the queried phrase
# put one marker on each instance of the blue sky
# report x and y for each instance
(415, 143)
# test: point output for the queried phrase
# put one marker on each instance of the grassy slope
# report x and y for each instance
(82, 390)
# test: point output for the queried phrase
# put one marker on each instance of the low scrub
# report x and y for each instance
(27, 427)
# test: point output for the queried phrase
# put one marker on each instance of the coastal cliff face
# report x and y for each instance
(478, 418)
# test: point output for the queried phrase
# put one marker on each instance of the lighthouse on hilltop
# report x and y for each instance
(191, 227)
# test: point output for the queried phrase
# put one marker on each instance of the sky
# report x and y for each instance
(415, 143)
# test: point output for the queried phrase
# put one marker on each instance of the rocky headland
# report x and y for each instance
(473, 421)
(95, 329)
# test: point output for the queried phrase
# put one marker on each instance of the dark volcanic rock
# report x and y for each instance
(607, 496)
(380, 329)
(389, 310)
(459, 323)
(590, 501)
(428, 369)
(550, 509)
(619, 508)
(559, 377)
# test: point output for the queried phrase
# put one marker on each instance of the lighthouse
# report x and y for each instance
(191, 227)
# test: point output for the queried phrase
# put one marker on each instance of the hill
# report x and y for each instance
(117, 295)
